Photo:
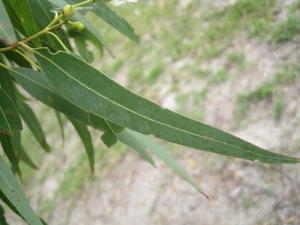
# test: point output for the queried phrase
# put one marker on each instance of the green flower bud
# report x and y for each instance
(68, 11)
(77, 26)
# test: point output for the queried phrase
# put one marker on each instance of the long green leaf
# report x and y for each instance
(61, 125)
(6, 28)
(86, 139)
(9, 109)
(13, 192)
(11, 150)
(33, 124)
(91, 90)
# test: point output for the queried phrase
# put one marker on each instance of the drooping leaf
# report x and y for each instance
(61, 125)
(136, 144)
(6, 28)
(26, 159)
(33, 124)
(9, 109)
(113, 19)
(25, 15)
(165, 157)
(86, 139)
(91, 90)
(4, 124)
(11, 151)
(13, 192)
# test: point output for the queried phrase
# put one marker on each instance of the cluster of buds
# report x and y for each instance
(68, 12)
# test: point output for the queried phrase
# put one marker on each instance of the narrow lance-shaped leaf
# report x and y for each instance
(127, 138)
(4, 125)
(61, 125)
(26, 159)
(165, 157)
(6, 28)
(86, 139)
(113, 19)
(13, 192)
(11, 150)
(10, 111)
(33, 124)
(91, 90)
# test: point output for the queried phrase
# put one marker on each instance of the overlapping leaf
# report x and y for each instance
(91, 90)
(14, 194)
(25, 16)
(113, 19)
(9, 109)
(33, 124)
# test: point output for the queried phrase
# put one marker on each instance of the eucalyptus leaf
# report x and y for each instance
(9, 109)
(113, 19)
(13, 192)
(25, 15)
(33, 124)
(96, 93)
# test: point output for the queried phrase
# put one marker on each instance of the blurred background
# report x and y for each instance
(233, 64)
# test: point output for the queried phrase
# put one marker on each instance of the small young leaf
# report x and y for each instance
(94, 92)
(13, 192)
(86, 139)
(33, 124)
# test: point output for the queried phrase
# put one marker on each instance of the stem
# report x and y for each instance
(59, 41)
(27, 58)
